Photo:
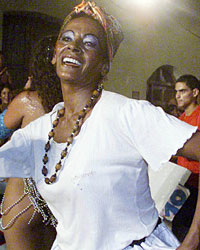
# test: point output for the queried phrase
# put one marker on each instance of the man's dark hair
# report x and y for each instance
(191, 81)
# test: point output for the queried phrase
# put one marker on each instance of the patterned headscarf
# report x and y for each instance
(110, 25)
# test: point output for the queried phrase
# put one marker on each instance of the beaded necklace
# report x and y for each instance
(76, 129)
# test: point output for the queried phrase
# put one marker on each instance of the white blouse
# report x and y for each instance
(101, 198)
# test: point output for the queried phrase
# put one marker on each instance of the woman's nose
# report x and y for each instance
(74, 46)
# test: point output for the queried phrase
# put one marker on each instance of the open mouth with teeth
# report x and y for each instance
(71, 61)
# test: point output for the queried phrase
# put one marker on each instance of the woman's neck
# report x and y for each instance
(75, 98)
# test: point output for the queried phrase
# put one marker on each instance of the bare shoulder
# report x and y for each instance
(27, 97)
(24, 108)
(23, 101)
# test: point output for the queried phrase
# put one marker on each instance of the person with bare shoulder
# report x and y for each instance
(5, 98)
(25, 215)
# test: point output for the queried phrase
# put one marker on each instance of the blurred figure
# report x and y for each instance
(5, 97)
(187, 91)
(24, 211)
(5, 100)
(5, 77)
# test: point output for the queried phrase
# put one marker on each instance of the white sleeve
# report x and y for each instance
(156, 135)
(15, 157)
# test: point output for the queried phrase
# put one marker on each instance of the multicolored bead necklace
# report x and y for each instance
(76, 129)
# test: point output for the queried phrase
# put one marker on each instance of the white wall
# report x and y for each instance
(154, 38)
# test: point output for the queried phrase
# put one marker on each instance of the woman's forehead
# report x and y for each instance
(86, 24)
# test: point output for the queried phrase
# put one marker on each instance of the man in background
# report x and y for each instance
(187, 89)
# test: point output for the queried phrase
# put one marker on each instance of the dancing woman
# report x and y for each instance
(89, 156)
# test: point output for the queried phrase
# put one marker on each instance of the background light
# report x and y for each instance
(144, 3)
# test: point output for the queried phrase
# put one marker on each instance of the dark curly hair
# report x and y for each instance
(44, 78)
(190, 80)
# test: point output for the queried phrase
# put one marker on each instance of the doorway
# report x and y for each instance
(21, 30)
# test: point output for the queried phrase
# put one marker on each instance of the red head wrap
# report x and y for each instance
(110, 25)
